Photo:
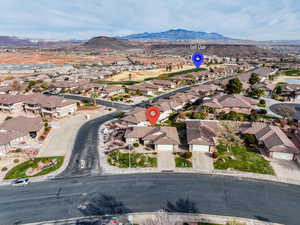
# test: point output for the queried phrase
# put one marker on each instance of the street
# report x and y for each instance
(219, 195)
(85, 158)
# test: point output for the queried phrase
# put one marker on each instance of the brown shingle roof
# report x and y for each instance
(159, 135)
(18, 127)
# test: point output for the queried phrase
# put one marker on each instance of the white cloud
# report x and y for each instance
(83, 19)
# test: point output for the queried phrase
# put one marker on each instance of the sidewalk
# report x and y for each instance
(162, 218)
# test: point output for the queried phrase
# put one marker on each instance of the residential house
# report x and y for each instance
(145, 88)
(291, 91)
(11, 103)
(274, 141)
(137, 117)
(52, 106)
(166, 84)
(201, 135)
(232, 102)
(267, 87)
(163, 138)
(17, 130)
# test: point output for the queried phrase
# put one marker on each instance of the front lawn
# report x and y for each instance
(242, 159)
(183, 163)
(19, 171)
(137, 160)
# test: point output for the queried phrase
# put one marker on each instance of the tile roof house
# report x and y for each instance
(164, 83)
(11, 103)
(53, 106)
(276, 143)
(137, 117)
(163, 138)
(146, 88)
(16, 130)
(201, 135)
(232, 102)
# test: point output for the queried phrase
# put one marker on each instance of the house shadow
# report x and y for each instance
(101, 204)
(182, 206)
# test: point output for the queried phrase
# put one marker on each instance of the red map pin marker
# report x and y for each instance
(152, 114)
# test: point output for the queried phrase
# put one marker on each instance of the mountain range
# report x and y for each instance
(175, 35)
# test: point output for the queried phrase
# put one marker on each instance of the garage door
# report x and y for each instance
(165, 147)
(280, 155)
(200, 148)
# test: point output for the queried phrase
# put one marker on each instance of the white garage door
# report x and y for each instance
(200, 148)
(165, 147)
(280, 155)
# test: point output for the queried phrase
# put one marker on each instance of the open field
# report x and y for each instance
(141, 75)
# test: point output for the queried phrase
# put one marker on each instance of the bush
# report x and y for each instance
(215, 155)
(34, 165)
(187, 155)
(16, 160)
(4, 169)
(136, 145)
(8, 118)
(249, 139)
(263, 111)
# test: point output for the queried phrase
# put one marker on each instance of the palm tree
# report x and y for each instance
(94, 96)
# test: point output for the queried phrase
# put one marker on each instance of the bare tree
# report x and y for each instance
(286, 111)
(228, 133)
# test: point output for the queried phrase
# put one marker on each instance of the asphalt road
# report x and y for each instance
(86, 149)
(229, 196)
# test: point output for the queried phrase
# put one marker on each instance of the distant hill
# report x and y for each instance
(108, 42)
(8, 41)
(177, 34)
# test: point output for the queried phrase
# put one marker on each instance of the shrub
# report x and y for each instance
(136, 145)
(249, 139)
(16, 160)
(4, 169)
(34, 165)
(45, 160)
(263, 111)
(215, 155)
(8, 118)
(187, 155)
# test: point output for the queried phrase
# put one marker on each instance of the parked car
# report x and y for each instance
(20, 182)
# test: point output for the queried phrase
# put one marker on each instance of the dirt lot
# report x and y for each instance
(141, 75)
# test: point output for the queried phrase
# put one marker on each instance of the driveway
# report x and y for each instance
(286, 169)
(202, 160)
(165, 160)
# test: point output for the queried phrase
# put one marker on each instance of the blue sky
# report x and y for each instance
(83, 19)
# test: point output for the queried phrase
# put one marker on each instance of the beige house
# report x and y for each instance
(163, 138)
(201, 135)
(52, 106)
(17, 130)
(233, 102)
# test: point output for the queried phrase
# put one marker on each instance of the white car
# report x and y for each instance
(20, 182)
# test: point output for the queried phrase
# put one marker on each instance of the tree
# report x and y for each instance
(44, 85)
(228, 133)
(130, 76)
(286, 111)
(254, 78)
(16, 86)
(94, 96)
(234, 86)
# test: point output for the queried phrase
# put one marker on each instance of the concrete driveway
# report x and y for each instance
(165, 160)
(202, 160)
(286, 169)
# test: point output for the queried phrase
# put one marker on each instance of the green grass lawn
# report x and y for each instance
(137, 160)
(183, 163)
(19, 170)
(242, 159)
(292, 72)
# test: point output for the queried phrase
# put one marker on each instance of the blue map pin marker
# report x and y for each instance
(197, 59)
